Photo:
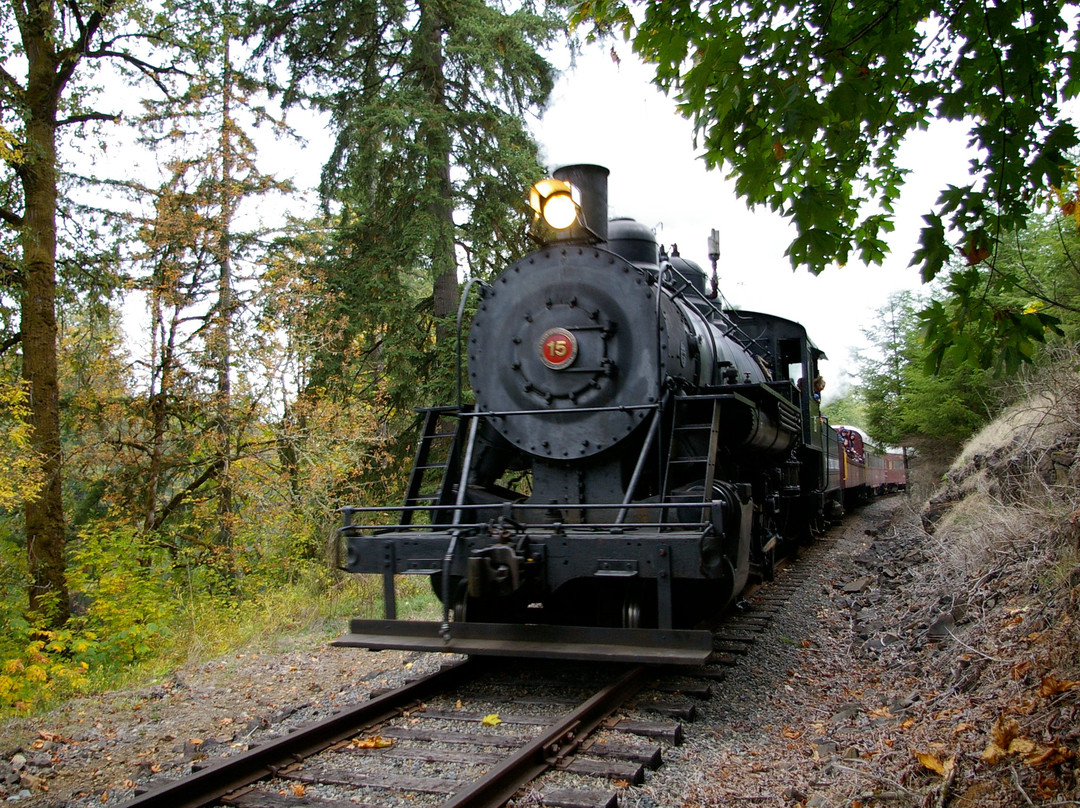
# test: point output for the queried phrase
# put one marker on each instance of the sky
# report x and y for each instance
(608, 113)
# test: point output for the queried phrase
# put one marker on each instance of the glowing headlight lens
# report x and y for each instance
(560, 211)
(557, 202)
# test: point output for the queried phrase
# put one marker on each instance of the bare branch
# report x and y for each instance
(11, 217)
(151, 71)
(10, 343)
(209, 473)
(91, 116)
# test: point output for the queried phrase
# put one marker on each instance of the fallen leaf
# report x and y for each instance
(934, 764)
(491, 720)
(1048, 787)
(374, 742)
(993, 754)
(299, 789)
(1043, 757)
(1020, 669)
(882, 712)
(1004, 732)
(791, 734)
(1052, 686)
(1021, 747)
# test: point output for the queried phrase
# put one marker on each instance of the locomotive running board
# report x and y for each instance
(639, 645)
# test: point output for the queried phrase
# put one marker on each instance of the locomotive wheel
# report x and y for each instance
(462, 607)
(459, 610)
(765, 564)
(465, 609)
(631, 610)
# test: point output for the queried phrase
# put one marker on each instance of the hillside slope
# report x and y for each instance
(992, 614)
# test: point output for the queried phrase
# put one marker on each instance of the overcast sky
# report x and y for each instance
(609, 113)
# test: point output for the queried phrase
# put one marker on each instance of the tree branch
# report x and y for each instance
(11, 83)
(10, 343)
(91, 116)
(11, 217)
(209, 473)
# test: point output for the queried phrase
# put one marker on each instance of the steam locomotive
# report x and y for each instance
(635, 454)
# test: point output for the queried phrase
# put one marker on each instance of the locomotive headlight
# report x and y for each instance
(557, 202)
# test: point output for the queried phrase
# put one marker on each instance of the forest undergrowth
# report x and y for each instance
(133, 630)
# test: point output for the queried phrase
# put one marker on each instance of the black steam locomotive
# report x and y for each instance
(634, 455)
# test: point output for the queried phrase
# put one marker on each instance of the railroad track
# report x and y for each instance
(504, 743)
(478, 732)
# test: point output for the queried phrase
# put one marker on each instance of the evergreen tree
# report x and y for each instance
(908, 403)
(430, 166)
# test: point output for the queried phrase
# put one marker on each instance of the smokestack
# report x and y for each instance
(592, 181)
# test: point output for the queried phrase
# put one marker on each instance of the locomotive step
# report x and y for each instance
(648, 646)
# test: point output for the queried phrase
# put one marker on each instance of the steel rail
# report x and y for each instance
(207, 785)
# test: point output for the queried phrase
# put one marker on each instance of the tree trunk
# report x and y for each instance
(437, 142)
(223, 341)
(44, 514)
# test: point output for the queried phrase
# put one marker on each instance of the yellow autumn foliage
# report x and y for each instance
(23, 478)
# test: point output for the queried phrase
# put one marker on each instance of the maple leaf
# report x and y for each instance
(491, 720)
